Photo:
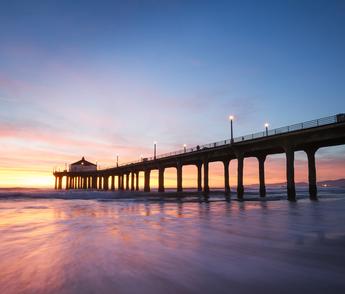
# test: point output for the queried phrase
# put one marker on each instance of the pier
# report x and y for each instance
(307, 136)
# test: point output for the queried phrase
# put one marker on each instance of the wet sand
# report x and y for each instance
(138, 245)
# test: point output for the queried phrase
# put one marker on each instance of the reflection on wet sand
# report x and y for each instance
(90, 246)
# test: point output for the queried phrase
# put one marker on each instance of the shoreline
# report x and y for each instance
(251, 195)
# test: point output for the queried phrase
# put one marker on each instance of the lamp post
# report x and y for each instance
(141, 157)
(154, 149)
(266, 127)
(231, 118)
(117, 160)
(184, 148)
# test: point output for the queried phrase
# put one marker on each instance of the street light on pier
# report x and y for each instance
(117, 160)
(231, 118)
(266, 127)
(141, 157)
(184, 148)
(154, 149)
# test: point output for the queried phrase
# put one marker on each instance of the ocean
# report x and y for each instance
(130, 242)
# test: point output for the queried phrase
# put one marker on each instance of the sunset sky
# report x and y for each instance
(97, 78)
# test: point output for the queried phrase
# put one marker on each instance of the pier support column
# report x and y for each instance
(56, 181)
(66, 185)
(119, 178)
(84, 183)
(240, 188)
(112, 183)
(226, 176)
(179, 177)
(290, 174)
(161, 179)
(206, 186)
(106, 183)
(137, 181)
(147, 181)
(261, 160)
(132, 181)
(127, 181)
(312, 173)
(199, 176)
(60, 183)
(119, 182)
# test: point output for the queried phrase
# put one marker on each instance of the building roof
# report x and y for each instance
(83, 162)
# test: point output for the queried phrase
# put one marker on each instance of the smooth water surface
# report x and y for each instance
(128, 246)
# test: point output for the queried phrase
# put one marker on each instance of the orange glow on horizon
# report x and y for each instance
(275, 173)
(28, 169)
(10, 178)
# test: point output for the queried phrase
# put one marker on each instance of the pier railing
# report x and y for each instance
(273, 132)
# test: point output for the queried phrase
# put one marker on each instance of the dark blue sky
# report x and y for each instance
(125, 73)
